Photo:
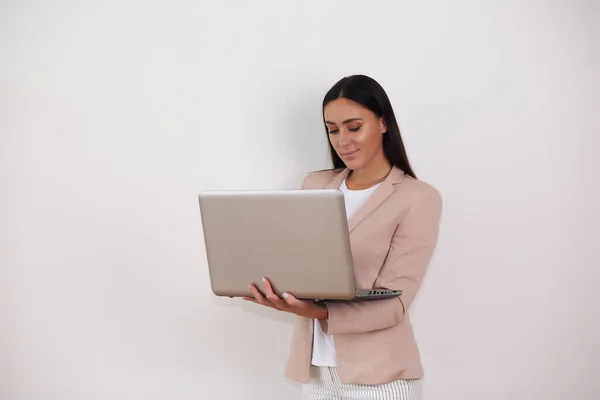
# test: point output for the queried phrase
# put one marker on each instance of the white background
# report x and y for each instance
(114, 115)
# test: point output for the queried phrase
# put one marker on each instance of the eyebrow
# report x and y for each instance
(347, 121)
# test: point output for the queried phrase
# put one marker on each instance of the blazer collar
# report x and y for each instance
(395, 177)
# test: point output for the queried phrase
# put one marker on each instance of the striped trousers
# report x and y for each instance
(324, 384)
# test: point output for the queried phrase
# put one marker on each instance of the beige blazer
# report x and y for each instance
(393, 236)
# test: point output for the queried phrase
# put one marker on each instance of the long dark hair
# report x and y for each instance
(366, 91)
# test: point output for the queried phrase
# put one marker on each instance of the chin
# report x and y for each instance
(354, 164)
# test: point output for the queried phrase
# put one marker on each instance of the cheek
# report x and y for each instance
(333, 140)
(370, 141)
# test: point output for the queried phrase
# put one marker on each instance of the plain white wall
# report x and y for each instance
(113, 115)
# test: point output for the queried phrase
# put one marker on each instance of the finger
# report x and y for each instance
(256, 293)
(260, 298)
(272, 297)
(292, 301)
(253, 300)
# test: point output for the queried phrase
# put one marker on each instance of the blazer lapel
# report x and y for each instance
(379, 195)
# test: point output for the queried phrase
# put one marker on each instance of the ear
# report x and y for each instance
(382, 125)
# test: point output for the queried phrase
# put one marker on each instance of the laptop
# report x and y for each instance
(298, 239)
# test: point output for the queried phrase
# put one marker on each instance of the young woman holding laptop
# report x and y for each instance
(366, 349)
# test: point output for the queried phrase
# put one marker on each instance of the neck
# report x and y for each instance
(370, 175)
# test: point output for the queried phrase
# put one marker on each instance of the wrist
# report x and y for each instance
(321, 312)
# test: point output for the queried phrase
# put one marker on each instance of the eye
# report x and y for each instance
(332, 132)
(354, 129)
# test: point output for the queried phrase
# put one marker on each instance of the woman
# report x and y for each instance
(366, 349)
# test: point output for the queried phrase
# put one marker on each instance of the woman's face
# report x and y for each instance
(355, 132)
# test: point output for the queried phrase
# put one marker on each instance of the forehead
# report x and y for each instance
(341, 109)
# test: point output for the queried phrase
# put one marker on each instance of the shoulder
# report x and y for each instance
(419, 192)
(319, 179)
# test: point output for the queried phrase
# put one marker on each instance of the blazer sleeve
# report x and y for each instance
(410, 251)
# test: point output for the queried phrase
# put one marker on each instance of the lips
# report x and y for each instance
(348, 153)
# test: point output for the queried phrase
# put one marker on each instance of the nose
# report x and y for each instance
(343, 137)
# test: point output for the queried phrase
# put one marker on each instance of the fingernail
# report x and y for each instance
(264, 279)
(285, 295)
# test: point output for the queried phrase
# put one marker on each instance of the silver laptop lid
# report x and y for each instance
(296, 238)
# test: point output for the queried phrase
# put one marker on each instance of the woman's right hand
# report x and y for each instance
(289, 303)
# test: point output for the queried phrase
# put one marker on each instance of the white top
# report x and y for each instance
(323, 346)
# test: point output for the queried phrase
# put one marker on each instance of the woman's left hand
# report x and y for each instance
(289, 303)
